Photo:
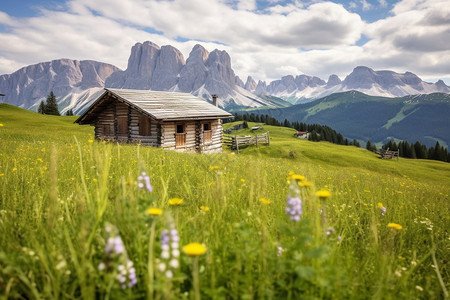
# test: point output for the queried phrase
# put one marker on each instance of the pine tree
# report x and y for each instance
(51, 107)
(41, 108)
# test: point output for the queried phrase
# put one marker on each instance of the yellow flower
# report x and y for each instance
(323, 194)
(395, 226)
(90, 141)
(204, 208)
(1, 125)
(242, 180)
(14, 169)
(194, 249)
(264, 201)
(305, 183)
(175, 201)
(154, 211)
(1, 174)
(380, 205)
(214, 168)
(295, 177)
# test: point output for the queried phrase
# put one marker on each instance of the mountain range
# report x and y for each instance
(77, 83)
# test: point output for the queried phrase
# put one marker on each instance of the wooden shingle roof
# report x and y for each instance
(163, 106)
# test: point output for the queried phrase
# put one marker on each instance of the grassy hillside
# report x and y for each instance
(421, 118)
(59, 190)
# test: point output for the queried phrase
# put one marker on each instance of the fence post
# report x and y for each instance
(268, 138)
(237, 143)
(256, 140)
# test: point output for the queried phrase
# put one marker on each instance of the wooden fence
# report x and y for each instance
(238, 142)
(387, 154)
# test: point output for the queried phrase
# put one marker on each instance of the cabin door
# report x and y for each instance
(180, 135)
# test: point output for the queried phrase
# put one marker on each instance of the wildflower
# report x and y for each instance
(242, 180)
(339, 239)
(90, 141)
(304, 183)
(294, 207)
(323, 194)
(280, 251)
(330, 231)
(117, 254)
(169, 251)
(144, 180)
(194, 249)
(175, 201)
(154, 211)
(1, 125)
(204, 208)
(264, 201)
(114, 244)
(395, 226)
(14, 169)
(214, 168)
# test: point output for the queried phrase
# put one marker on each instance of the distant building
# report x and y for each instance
(301, 134)
(176, 121)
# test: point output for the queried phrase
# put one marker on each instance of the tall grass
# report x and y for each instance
(59, 188)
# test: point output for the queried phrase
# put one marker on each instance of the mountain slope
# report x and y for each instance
(30, 85)
(421, 118)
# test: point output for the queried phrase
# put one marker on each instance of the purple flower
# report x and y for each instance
(383, 210)
(144, 181)
(294, 208)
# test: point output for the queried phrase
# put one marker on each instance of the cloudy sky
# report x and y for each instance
(266, 39)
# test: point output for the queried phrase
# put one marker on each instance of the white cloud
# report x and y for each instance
(366, 5)
(383, 3)
(316, 38)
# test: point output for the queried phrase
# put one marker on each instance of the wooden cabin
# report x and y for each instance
(175, 121)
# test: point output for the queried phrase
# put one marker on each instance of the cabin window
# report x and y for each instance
(144, 126)
(207, 132)
(180, 128)
(122, 125)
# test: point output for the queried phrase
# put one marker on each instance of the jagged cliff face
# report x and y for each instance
(32, 84)
(155, 68)
(149, 68)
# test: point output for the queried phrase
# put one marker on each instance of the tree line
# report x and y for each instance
(419, 151)
(316, 132)
(319, 132)
(50, 107)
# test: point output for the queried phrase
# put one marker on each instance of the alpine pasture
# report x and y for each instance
(79, 220)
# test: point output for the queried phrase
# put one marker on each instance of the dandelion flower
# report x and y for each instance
(194, 249)
(395, 226)
(264, 201)
(154, 211)
(304, 183)
(323, 194)
(1, 125)
(204, 208)
(175, 201)
(91, 141)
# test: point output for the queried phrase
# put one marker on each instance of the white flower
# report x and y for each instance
(174, 263)
(169, 274)
(176, 253)
(162, 267)
(165, 254)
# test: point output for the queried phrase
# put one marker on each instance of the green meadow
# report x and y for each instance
(382, 233)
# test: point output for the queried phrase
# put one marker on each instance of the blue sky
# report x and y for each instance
(266, 39)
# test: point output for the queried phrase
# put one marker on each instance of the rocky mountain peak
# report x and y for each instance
(333, 80)
(250, 84)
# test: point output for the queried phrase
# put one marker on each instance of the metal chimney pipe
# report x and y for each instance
(214, 99)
